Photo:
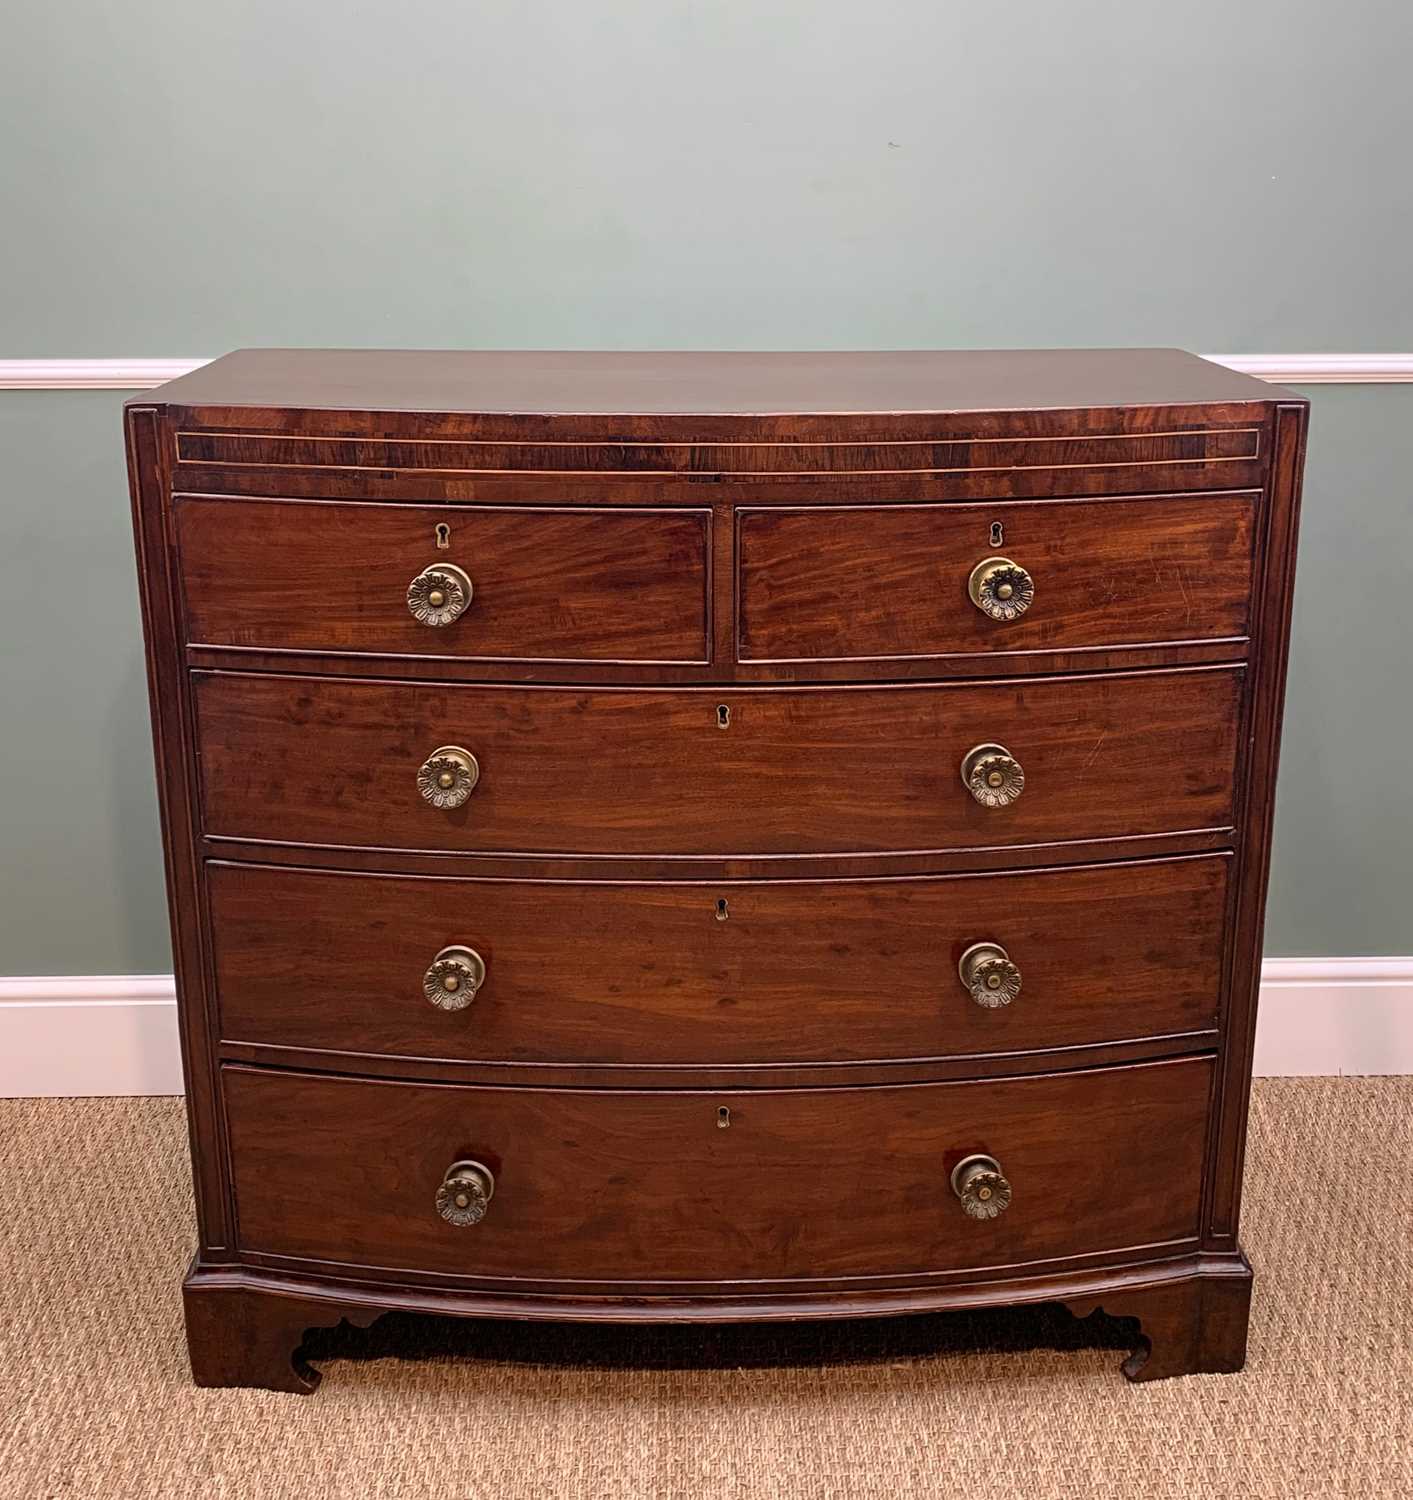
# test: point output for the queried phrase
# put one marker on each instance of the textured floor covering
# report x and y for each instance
(94, 1398)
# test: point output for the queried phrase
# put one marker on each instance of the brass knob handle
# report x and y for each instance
(979, 1184)
(454, 977)
(1000, 588)
(439, 594)
(448, 776)
(987, 971)
(992, 775)
(465, 1193)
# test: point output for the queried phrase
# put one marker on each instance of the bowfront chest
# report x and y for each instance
(715, 836)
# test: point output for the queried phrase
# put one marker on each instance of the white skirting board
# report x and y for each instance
(89, 1035)
(85, 1036)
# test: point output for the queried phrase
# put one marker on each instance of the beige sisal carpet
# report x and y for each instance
(95, 1232)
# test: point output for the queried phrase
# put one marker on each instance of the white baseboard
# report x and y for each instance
(144, 374)
(90, 1036)
(1321, 369)
(1335, 1016)
(92, 374)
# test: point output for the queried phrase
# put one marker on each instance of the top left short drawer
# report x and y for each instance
(491, 583)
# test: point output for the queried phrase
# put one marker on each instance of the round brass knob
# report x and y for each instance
(454, 977)
(979, 1184)
(465, 1192)
(992, 775)
(989, 974)
(1001, 589)
(439, 594)
(448, 776)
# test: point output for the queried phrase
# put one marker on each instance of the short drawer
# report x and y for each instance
(686, 974)
(545, 584)
(622, 771)
(661, 1186)
(862, 582)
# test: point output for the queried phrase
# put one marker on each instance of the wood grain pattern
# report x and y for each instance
(239, 1336)
(178, 807)
(445, 455)
(247, 1324)
(660, 973)
(880, 582)
(550, 585)
(1190, 1326)
(648, 1188)
(274, 387)
(640, 771)
(1154, 495)
(611, 488)
(735, 1075)
(1258, 805)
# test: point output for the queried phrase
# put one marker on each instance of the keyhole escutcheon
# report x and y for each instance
(443, 534)
(723, 716)
(998, 534)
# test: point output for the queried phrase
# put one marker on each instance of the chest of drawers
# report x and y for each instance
(715, 837)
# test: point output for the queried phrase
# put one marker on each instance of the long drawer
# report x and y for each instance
(525, 583)
(880, 582)
(734, 973)
(716, 772)
(608, 1186)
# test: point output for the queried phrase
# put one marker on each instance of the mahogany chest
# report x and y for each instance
(715, 836)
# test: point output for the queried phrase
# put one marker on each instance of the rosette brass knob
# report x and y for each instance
(439, 594)
(989, 974)
(992, 775)
(980, 1186)
(448, 776)
(1001, 589)
(454, 977)
(465, 1193)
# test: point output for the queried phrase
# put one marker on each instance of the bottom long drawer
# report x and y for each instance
(726, 1185)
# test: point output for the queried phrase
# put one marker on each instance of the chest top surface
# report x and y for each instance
(744, 383)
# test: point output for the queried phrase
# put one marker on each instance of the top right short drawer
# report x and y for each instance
(881, 582)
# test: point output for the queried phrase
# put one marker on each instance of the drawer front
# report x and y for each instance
(859, 582)
(644, 771)
(665, 974)
(546, 584)
(649, 1186)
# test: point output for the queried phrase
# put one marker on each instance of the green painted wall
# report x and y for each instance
(1342, 877)
(716, 173)
(678, 173)
(81, 891)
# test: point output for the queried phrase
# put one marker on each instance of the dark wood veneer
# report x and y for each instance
(550, 585)
(638, 771)
(648, 1188)
(873, 583)
(654, 460)
(712, 975)
(654, 537)
(727, 394)
(247, 1325)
